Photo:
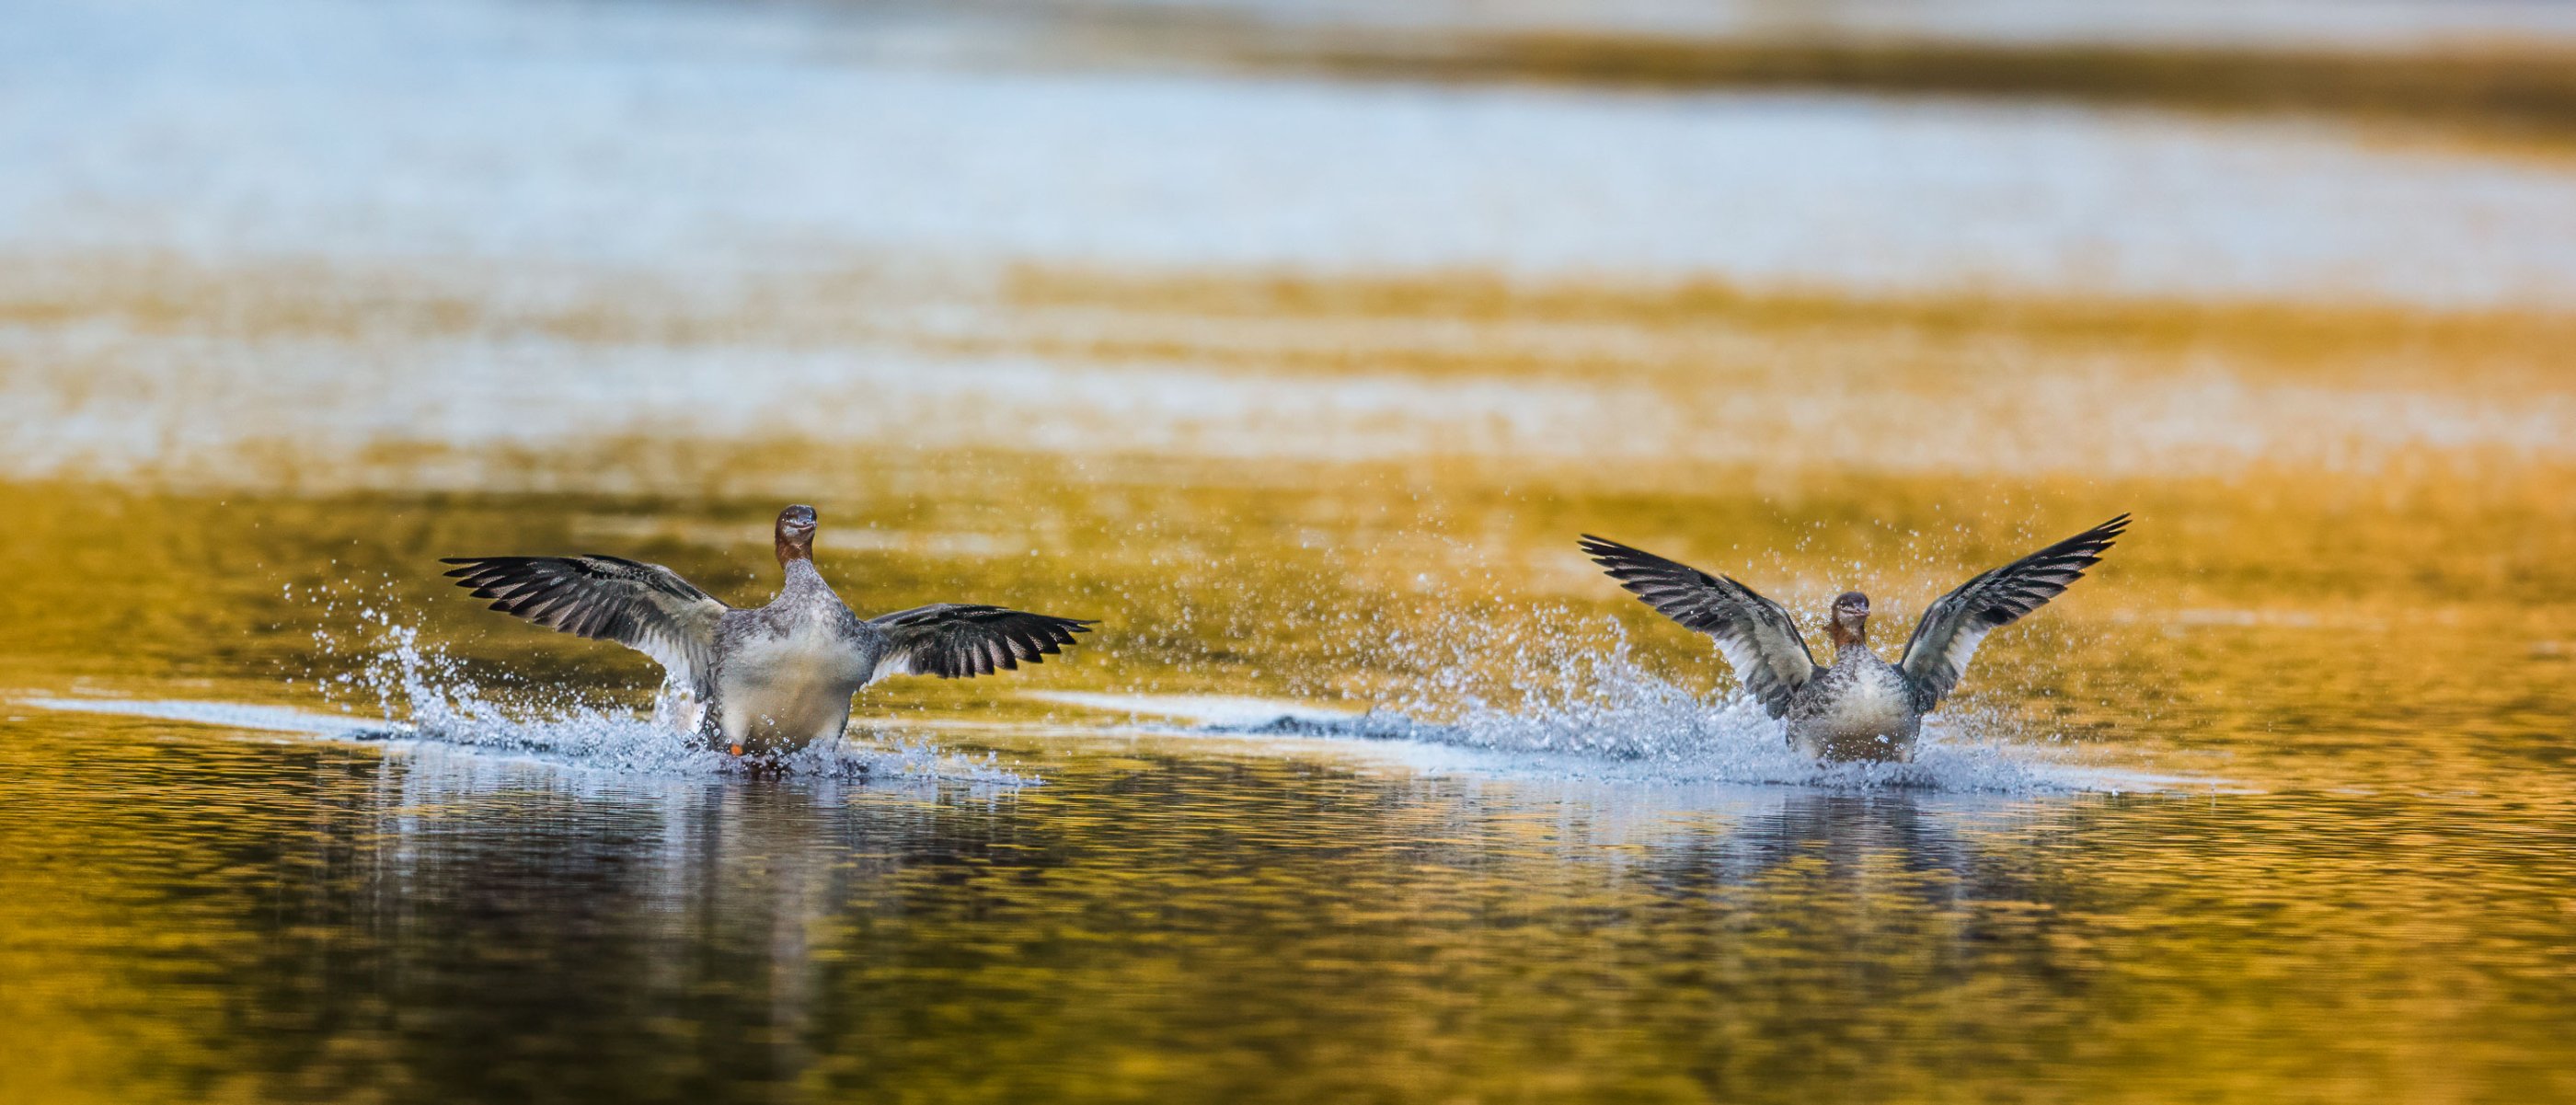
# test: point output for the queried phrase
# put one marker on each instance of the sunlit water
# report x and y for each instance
(1368, 787)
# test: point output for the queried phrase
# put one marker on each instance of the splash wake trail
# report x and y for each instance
(1584, 708)
(1727, 741)
(424, 697)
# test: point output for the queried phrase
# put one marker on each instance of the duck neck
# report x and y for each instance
(1851, 638)
(802, 578)
(793, 548)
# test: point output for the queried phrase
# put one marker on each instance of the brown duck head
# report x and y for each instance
(1850, 624)
(795, 535)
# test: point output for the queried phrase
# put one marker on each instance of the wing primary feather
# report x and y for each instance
(646, 607)
(1936, 656)
(963, 640)
(1757, 636)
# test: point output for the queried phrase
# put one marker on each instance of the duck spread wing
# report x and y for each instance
(645, 607)
(1937, 655)
(954, 640)
(1757, 637)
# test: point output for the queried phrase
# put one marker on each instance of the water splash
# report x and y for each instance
(425, 696)
(1551, 692)
(1668, 736)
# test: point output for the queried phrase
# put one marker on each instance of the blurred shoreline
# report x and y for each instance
(2506, 69)
(706, 145)
(2524, 90)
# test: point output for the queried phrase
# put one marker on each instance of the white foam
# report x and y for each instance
(404, 693)
(228, 715)
(594, 740)
(1548, 693)
(1645, 731)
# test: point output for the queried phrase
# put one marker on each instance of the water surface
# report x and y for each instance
(2278, 805)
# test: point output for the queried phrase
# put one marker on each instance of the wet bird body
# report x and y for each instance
(767, 678)
(1862, 707)
(784, 673)
(1858, 708)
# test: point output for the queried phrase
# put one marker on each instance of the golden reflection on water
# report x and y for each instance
(332, 377)
(2367, 638)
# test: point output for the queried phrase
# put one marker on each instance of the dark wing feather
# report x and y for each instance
(1757, 637)
(954, 640)
(645, 607)
(1947, 637)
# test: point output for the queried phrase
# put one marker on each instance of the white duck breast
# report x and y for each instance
(787, 679)
(1861, 708)
(768, 678)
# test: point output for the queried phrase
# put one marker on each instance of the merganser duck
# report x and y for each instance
(1861, 708)
(767, 679)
